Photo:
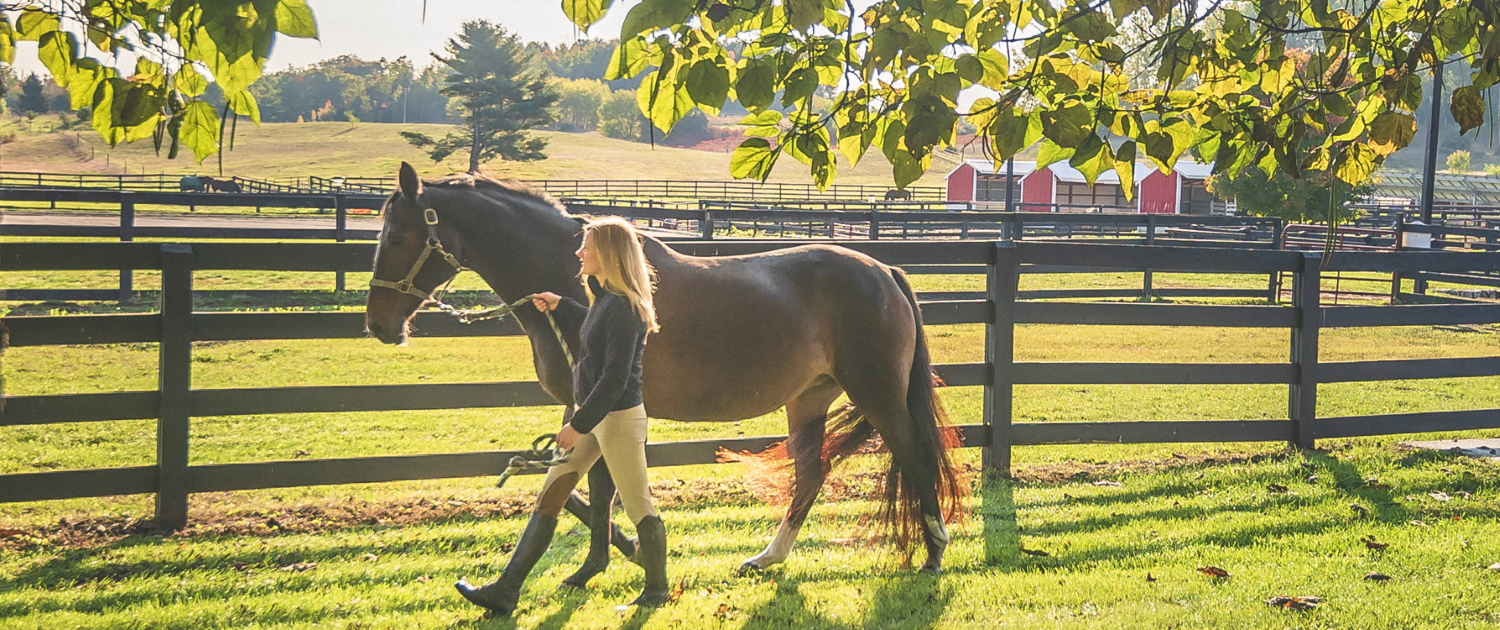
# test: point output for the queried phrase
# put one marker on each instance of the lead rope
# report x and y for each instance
(544, 452)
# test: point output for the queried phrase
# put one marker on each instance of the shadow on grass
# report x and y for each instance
(911, 600)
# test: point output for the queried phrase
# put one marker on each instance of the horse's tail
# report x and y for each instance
(848, 431)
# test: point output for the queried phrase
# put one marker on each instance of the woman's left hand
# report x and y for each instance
(567, 437)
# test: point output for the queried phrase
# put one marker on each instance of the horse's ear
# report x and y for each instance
(410, 184)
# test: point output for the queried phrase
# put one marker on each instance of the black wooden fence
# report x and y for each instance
(176, 326)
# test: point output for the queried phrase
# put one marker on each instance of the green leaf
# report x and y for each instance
(799, 85)
(1050, 153)
(295, 19)
(969, 68)
(58, 50)
(7, 42)
(752, 159)
(189, 81)
(1069, 126)
(1358, 164)
(652, 15)
(1392, 131)
(243, 103)
(200, 129)
(85, 78)
(34, 23)
(1125, 168)
(630, 58)
(663, 102)
(1467, 108)
(1092, 158)
(708, 84)
(996, 69)
(908, 168)
(584, 13)
(756, 85)
(802, 14)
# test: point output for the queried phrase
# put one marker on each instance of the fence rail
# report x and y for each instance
(635, 189)
(1000, 308)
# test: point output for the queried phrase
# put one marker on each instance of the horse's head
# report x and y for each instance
(416, 255)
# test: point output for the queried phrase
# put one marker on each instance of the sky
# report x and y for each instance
(373, 29)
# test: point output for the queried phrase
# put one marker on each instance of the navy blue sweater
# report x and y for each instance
(607, 375)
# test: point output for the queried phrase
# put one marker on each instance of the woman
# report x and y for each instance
(608, 418)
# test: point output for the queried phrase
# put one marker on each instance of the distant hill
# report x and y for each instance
(331, 149)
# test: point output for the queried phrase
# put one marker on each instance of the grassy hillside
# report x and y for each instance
(331, 149)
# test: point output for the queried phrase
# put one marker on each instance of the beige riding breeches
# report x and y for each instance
(621, 439)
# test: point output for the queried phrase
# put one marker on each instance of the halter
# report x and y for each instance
(405, 285)
(430, 217)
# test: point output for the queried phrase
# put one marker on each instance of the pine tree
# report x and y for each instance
(501, 92)
(32, 98)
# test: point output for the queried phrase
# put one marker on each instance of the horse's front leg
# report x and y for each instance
(805, 446)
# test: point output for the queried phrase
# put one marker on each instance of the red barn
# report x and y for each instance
(1061, 188)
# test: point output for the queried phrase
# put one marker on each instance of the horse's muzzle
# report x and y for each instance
(387, 334)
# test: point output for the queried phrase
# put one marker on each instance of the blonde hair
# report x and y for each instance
(623, 269)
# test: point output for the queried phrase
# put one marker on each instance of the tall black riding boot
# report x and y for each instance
(602, 497)
(501, 596)
(653, 554)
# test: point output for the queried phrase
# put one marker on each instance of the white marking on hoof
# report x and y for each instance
(937, 529)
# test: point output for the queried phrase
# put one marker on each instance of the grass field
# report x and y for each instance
(334, 149)
(1115, 534)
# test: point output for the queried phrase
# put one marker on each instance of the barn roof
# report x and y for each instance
(1476, 189)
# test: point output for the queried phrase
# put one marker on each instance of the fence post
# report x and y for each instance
(1150, 241)
(127, 234)
(174, 386)
(706, 225)
(1302, 400)
(1396, 275)
(1017, 226)
(340, 225)
(874, 225)
(1000, 354)
(1277, 243)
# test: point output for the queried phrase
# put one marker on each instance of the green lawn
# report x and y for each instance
(386, 554)
(338, 149)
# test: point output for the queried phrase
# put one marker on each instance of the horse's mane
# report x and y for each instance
(506, 188)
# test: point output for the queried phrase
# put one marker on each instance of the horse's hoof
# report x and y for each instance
(930, 570)
(749, 568)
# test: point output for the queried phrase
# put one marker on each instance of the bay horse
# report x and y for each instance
(741, 336)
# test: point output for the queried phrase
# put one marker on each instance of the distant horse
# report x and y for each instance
(222, 185)
(741, 336)
(898, 194)
(192, 183)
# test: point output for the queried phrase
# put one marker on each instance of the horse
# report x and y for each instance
(222, 185)
(897, 194)
(741, 336)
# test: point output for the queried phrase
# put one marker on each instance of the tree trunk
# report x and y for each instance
(474, 147)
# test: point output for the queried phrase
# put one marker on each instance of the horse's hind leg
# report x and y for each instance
(805, 423)
(884, 405)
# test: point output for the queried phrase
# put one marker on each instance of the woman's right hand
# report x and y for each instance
(545, 301)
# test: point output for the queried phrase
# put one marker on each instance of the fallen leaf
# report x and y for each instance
(1359, 509)
(1298, 602)
(1034, 552)
(676, 592)
(11, 533)
(1495, 567)
(1312, 479)
(1212, 571)
(1377, 577)
(1439, 495)
(1370, 542)
(1276, 487)
(369, 557)
(301, 453)
(299, 567)
(724, 610)
(1107, 482)
(1149, 578)
(424, 578)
